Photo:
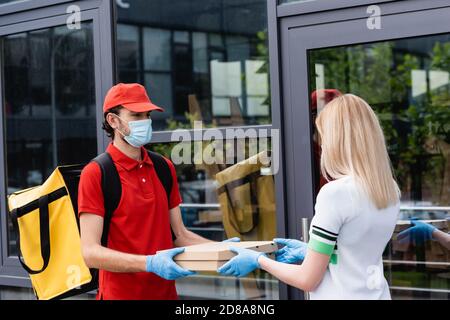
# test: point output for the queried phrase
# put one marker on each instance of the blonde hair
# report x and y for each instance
(353, 144)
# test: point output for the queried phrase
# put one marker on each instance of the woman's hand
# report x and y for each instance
(292, 252)
(245, 262)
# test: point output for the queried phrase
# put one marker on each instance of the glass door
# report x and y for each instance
(402, 69)
(55, 71)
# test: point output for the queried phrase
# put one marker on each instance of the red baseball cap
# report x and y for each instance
(131, 96)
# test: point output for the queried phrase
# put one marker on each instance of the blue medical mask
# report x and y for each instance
(140, 132)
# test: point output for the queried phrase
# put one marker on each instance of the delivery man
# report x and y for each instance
(141, 224)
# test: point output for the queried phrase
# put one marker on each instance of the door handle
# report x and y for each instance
(305, 229)
(305, 238)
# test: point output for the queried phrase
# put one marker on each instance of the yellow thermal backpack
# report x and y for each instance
(45, 219)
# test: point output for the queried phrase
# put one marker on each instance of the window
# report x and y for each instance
(206, 62)
(291, 1)
(220, 67)
(49, 105)
(407, 83)
(225, 199)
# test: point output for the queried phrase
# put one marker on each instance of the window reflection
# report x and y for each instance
(407, 83)
(128, 54)
(49, 104)
(213, 50)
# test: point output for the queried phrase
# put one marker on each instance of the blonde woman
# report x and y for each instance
(355, 214)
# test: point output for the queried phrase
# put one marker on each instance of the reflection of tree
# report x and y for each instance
(262, 49)
(416, 127)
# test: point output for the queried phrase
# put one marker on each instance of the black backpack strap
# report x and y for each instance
(112, 187)
(165, 176)
(163, 171)
(112, 190)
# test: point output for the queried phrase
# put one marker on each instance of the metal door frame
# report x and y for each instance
(295, 28)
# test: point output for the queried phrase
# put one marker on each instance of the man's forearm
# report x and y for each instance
(99, 257)
(189, 238)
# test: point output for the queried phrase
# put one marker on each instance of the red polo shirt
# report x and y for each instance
(139, 225)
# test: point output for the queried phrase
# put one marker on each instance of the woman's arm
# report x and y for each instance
(306, 276)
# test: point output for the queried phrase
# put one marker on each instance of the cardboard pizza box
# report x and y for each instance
(207, 265)
(211, 256)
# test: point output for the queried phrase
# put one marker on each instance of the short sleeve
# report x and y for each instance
(90, 194)
(175, 197)
(331, 211)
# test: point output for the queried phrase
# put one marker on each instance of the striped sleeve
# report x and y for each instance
(331, 211)
(322, 240)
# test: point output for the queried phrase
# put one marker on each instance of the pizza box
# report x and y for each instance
(408, 222)
(212, 255)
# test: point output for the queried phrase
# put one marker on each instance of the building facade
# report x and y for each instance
(246, 65)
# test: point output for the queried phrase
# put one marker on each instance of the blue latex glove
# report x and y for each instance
(163, 265)
(292, 252)
(235, 239)
(417, 234)
(245, 262)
